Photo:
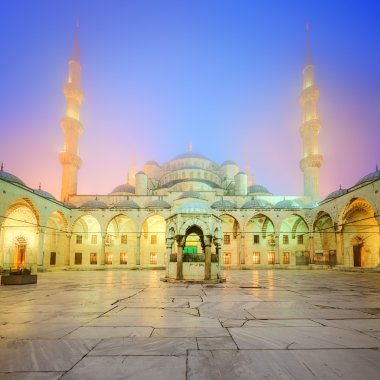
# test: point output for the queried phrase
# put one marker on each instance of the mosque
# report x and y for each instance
(189, 209)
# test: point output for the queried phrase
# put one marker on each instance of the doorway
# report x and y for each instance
(20, 259)
(358, 252)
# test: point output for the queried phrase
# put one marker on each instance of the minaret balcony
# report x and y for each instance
(312, 161)
(310, 127)
(67, 158)
(72, 92)
(70, 124)
(309, 94)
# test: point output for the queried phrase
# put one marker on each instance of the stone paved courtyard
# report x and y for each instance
(130, 325)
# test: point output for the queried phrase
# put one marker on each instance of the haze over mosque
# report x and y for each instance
(190, 215)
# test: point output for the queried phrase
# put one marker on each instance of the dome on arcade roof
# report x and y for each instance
(370, 177)
(43, 193)
(194, 207)
(124, 188)
(312, 204)
(287, 204)
(191, 194)
(257, 203)
(255, 189)
(69, 205)
(158, 203)
(222, 204)
(336, 193)
(93, 203)
(9, 177)
(126, 203)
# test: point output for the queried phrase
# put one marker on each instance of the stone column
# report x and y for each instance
(311, 248)
(242, 249)
(207, 258)
(67, 251)
(2, 245)
(277, 248)
(103, 249)
(138, 249)
(169, 245)
(180, 243)
(40, 249)
(218, 245)
(339, 248)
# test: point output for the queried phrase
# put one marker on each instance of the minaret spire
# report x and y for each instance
(75, 52)
(312, 160)
(71, 125)
(308, 51)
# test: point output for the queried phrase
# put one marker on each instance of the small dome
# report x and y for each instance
(258, 189)
(191, 194)
(158, 203)
(194, 207)
(287, 204)
(43, 193)
(256, 203)
(370, 177)
(228, 162)
(141, 172)
(151, 162)
(222, 204)
(126, 203)
(10, 177)
(93, 203)
(312, 204)
(336, 193)
(69, 205)
(124, 188)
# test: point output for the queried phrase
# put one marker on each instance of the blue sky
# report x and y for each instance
(225, 75)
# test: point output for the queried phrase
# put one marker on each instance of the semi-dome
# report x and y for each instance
(336, 193)
(93, 203)
(229, 162)
(222, 204)
(126, 203)
(369, 177)
(124, 188)
(158, 203)
(9, 177)
(194, 207)
(43, 193)
(191, 194)
(258, 189)
(287, 204)
(69, 205)
(256, 203)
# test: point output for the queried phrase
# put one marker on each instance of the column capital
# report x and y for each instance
(180, 239)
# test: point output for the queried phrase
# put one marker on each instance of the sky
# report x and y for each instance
(225, 75)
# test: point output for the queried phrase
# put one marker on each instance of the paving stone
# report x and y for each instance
(129, 367)
(129, 325)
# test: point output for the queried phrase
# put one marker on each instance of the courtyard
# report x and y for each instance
(267, 324)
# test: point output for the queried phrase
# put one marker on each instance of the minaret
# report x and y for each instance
(71, 125)
(312, 160)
